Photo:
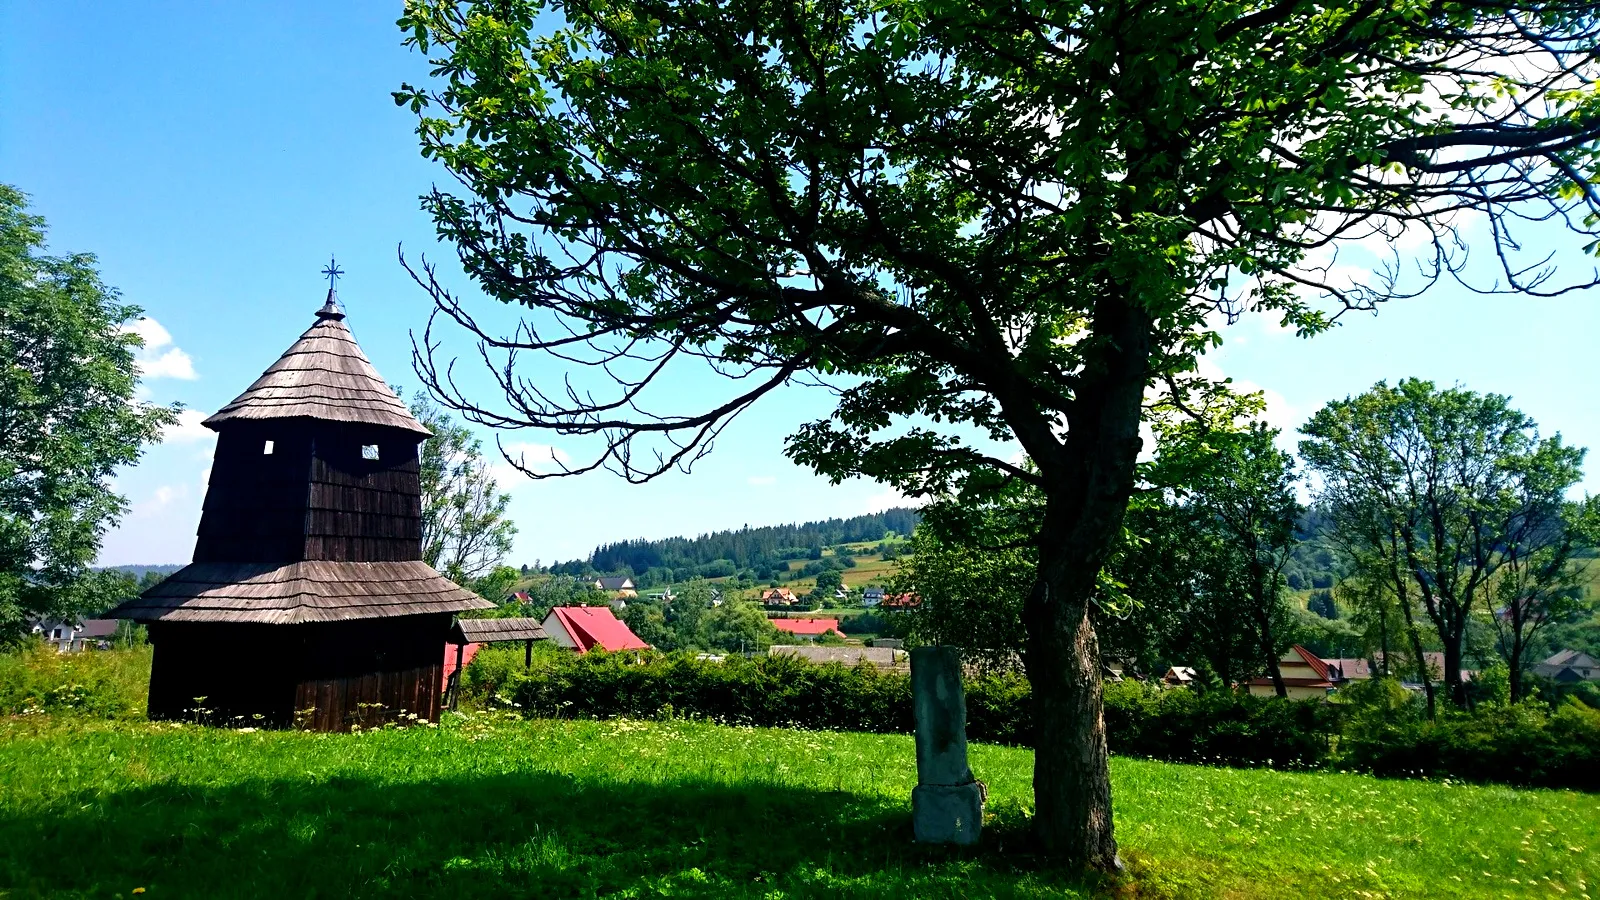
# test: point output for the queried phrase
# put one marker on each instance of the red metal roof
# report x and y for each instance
(1320, 675)
(595, 626)
(806, 626)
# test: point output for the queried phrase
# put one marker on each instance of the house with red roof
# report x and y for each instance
(1305, 676)
(808, 629)
(585, 628)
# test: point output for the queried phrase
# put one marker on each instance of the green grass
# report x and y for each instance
(490, 806)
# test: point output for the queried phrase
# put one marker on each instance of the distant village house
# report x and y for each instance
(779, 597)
(619, 586)
(585, 628)
(70, 637)
(1179, 676)
(1305, 676)
(1569, 667)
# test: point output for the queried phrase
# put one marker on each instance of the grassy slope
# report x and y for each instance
(507, 808)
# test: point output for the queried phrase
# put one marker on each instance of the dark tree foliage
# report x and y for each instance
(749, 547)
(1018, 222)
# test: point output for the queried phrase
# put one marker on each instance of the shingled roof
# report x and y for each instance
(294, 593)
(324, 375)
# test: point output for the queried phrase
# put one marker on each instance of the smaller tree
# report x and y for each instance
(738, 626)
(1540, 581)
(973, 574)
(828, 582)
(465, 531)
(495, 587)
(69, 418)
(1246, 495)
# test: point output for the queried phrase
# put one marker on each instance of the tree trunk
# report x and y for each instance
(1421, 659)
(1514, 664)
(1454, 688)
(1383, 635)
(1274, 669)
(1071, 777)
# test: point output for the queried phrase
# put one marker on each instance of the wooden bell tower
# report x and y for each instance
(307, 602)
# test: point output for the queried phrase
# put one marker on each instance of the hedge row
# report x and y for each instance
(1524, 744)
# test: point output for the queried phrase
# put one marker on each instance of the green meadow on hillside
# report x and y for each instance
(490, 805)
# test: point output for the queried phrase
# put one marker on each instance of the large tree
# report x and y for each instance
(465, 531)
(979, 224)
(1451, 493)
(69, 417)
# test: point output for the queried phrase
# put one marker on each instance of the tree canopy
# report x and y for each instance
(1450, 497)
(465, 531)
(979, 226)
(69, 417)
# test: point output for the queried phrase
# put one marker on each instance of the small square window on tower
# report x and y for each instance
(369, 451)
(266, 449)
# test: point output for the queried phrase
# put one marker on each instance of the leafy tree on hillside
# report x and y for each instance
(1016, 221)
(69, 418)
(827, 583)
(738, 626)
(1449, 494)
(973, 595)
(465, 531)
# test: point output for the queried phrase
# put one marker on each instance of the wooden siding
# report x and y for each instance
(313, 497)
(361, 510)
(255, 506)
(322, 677)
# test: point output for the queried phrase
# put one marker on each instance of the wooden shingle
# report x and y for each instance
(324, 375)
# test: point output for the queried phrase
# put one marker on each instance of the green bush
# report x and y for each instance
(1376, 727)
(1217, 727)
(1522, 743)
(865, 623)
(107, 684)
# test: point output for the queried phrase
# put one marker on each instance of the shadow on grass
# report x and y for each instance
(532, 834)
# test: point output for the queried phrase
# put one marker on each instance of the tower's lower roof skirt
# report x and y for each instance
(297, 593)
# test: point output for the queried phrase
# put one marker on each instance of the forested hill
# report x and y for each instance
(750, 547)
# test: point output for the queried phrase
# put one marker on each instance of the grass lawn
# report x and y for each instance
(491, 806)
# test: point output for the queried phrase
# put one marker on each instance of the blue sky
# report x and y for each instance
(214, 155)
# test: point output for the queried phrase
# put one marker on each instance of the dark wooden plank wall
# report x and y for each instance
(362, 510)
(369, 700)
(255, 506)
(324, 676)
(371, 671)
(313, 497)
(240, 670)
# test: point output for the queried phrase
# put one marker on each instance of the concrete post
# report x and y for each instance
(947, 803)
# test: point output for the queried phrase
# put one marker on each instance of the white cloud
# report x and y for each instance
(889, 498)
(161, 498)
(761, 480)
(540, 458)
(154, 361)
(1280, 413)
(188, 430)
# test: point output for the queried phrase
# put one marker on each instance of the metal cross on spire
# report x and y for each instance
(333, 272)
